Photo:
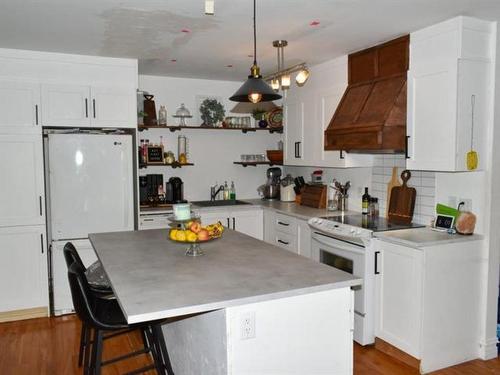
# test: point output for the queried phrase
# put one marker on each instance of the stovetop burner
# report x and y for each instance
(376, 224)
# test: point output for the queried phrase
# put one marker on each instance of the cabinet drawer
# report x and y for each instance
(286, 241)
(153, 222)
(285, 224)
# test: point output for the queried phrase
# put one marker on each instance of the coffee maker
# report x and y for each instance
(175, 190)
(271, 189)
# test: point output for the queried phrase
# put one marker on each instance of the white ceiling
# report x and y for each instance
(151, 30)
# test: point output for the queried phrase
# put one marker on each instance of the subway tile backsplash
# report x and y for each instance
(424, 182)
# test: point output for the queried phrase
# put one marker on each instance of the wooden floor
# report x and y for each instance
(49, 346)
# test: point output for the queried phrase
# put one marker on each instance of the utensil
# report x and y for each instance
(472, 159)
(402, 203)
(394, 181)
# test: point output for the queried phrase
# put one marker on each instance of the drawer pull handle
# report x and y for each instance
(284, 224)
(148, 219)
(284, 242)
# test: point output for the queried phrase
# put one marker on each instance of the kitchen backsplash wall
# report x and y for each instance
(423, 182)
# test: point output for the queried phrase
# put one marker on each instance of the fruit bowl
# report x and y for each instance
(193, 233)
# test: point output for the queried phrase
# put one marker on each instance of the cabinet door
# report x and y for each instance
(431, 119)
(113, 107)
(399, 291)
(304, 241)
(66, 105)
(294, 133)
(210, 217)
(249, 222)
(21, 182)
(19, 107)
(23, 264)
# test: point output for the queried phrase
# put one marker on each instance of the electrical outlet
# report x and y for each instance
(247, 325)
(467, 204)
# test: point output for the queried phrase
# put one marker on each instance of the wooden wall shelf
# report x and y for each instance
(172, 165)
(255, 163)
(173, 128)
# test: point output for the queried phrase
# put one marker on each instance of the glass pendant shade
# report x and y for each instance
(275, 84)
(285, 81)
(302, 77)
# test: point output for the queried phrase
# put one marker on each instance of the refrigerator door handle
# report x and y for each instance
(40, 202)
(41, 242)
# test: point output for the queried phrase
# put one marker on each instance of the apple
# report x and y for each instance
(203, 235)
(195, 227)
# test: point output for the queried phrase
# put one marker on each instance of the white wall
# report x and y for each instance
(212, 151)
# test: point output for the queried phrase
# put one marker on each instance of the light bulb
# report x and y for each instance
(254, 97)
(285, 81)
(275, 84)
(302, 77)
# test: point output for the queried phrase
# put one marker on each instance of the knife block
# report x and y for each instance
(314, 196)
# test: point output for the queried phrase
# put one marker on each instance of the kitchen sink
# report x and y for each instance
(219, 203)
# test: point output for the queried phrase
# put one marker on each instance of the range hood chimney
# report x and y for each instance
(371, 117)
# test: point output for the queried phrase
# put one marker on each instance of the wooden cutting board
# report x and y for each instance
(402, 201)
(392, 183)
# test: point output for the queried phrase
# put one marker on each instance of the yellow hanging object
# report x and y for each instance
(472, 158)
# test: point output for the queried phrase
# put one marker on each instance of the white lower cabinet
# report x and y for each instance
(428, 299)
(23, 265)
(154, 220)
(288, 232)
(244, 220)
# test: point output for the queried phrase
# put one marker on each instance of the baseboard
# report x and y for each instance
(35, 312)
(396, 353)
(488, 349)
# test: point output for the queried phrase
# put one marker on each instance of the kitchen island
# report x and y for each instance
(245, 307)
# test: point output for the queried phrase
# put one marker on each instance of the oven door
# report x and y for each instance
(345, 256)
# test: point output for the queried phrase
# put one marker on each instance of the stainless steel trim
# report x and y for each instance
(358, 313)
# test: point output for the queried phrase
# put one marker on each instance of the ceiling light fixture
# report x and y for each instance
(254, 89)
(281, 79)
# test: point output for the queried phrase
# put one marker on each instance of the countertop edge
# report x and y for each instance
(420, 245)
(176, 312)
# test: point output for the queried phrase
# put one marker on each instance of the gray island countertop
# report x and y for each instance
(153, 279)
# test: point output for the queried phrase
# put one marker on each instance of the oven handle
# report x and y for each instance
(334, 242)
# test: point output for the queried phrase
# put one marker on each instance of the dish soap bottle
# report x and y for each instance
(226, 191)
(365, 202)
(232, 192)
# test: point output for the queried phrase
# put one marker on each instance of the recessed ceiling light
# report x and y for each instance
(173, 60)
(314, 23)
(185, 31)
(249, 55)
(229, 65)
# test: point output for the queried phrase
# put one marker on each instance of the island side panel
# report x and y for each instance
(307, 334)
(197, 344)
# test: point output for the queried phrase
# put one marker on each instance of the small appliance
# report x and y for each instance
(177, 190)
(271, 190)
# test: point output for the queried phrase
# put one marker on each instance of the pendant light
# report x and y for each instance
(255, 89)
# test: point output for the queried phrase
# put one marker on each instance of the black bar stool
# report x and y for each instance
(100, 287)
(103, 315)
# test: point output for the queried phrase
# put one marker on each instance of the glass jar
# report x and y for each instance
(182, 149)
(162, 116)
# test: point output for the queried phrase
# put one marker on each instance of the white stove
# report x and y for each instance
(346, 232)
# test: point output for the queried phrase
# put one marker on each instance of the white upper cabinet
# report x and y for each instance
(22, 199)
(66, 105)
(114, 106)
(450, 63)
(308, 111)
(19, 107)
(86, 106)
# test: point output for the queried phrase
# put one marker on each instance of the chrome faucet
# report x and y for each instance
(214, 191)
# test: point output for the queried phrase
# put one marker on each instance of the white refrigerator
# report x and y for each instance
(90, 189)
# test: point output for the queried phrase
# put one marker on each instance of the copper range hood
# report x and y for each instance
(371, 117)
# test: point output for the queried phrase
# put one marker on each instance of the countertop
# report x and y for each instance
(423, 237)
(153, 279)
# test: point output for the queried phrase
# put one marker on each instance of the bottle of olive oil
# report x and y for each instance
(366, 202)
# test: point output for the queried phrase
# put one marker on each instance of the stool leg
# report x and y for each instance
(163, 346)
(96, 361)
(155, 350)
(87, 355)
(82, 344)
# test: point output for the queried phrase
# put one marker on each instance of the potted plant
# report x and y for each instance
(212, 112)
(259, 116)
